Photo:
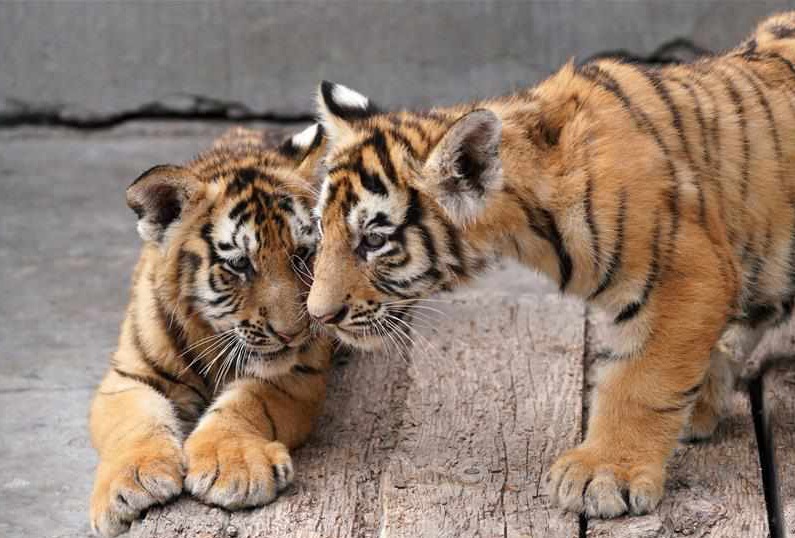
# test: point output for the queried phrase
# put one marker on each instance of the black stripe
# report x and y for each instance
(534, 220)
(565, 267)
(349, 202)
(606, 81)
(372, 182)
(714, 127)
(380, 144)
(238, 209)
(416, 126)
(591, 220)
(715, 161)
(148, 381)
(176, 335)
(385, 286)
(306, 370)
(150, 362)
(702, 123)
(739, 108)
(633, 309)
(763, 101)
(658, 83)
(542, 223)
(614, 265)
(455, 248)
(207, 236)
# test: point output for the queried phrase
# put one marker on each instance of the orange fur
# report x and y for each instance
(663, 196)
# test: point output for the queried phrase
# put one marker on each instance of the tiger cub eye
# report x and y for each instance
(374, 241)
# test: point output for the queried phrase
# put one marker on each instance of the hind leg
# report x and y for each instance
(735, 346)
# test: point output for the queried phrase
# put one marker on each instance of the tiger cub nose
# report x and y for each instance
(334, 318)
(286, 338)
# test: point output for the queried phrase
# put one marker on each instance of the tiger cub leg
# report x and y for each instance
(238, 455)
(642, 404)
(137, 435)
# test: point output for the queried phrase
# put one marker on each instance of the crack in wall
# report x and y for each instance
(193, 107)
(175, 107)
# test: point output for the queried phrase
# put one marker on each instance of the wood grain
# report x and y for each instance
(488, 412)
(713, 489)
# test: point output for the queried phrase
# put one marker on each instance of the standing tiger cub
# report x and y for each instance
(216, 343)
(664, 196)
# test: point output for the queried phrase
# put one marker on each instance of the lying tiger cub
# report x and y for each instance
(216, 332)
(664, 196)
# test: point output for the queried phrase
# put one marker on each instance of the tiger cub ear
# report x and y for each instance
(339, 107)
(305, 149)
(465, 166)
(160, 196)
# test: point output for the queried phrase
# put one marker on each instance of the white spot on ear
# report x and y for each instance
(305, 138)
(347, 98)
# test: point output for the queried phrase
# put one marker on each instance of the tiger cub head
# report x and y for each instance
(233, 238)
(397, 190)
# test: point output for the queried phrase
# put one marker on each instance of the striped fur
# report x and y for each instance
(666, 197)
(216, 375)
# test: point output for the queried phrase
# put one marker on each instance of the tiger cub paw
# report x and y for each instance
(147, 473)
(601, 484)
(236, 471)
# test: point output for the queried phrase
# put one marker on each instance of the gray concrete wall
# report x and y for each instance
(87, 58)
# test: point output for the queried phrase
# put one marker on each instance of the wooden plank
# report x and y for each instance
(488, 412)
(453, 443)
(713, 489)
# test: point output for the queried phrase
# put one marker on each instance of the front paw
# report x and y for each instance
(236, 471)
(605, 483)
(146, 473)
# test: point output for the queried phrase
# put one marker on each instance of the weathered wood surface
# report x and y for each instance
(713, 489)
(487, 413)
(452, 443)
